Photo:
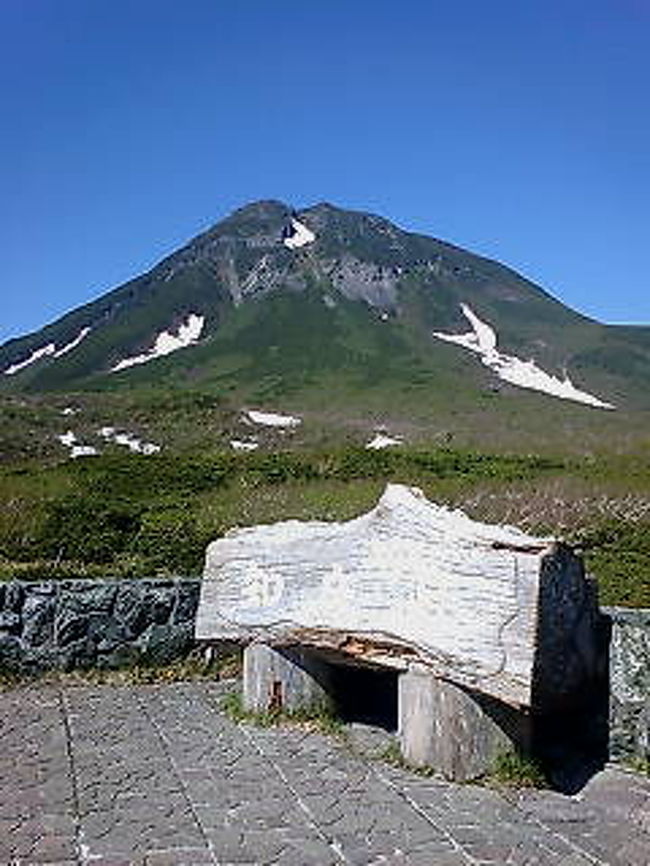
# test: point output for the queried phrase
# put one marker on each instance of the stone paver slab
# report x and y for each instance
(159, 776)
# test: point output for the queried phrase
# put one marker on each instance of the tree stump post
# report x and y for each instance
(452, 730)
(289, 680)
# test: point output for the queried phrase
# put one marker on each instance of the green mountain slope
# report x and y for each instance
(336, 320)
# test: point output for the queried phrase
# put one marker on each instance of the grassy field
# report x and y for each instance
(132, 516)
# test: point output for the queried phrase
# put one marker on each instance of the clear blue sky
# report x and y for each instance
(520, 130)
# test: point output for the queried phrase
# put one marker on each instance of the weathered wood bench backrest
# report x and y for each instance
(486, 607)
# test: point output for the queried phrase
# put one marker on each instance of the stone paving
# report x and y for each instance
(157, 776)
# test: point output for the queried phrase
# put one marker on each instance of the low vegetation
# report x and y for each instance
(125, 515)
(321, 720)
(194, 666)
(640, 765)
(509, 770)
(513, 770)
(392, 755)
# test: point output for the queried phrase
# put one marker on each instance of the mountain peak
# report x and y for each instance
(261, 214)
(263, 208)
(322, 207)
(273, 289)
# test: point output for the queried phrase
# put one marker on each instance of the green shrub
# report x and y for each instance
(141, 478)
(618, 554)
(517, 771)
(640, 765)
(321, 718)
(169, 540)
(88, 529)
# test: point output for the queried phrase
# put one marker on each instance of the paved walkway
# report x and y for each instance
(158, 776)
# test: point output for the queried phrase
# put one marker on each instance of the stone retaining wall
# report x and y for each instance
(95, 623)
(112, 623)
(629, 683)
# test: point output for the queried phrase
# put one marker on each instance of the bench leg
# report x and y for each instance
(284, 680)
(452, 730)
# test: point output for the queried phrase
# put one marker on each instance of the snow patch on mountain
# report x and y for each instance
(167, 342)
(381, 440)
(77, 449)
(299, 237)
(83, 451)
(135, 445)
(68, 439)
(482, 340)
(243, 445)
(73, 343)
(46, 351)
(271, 419)
(43, 352)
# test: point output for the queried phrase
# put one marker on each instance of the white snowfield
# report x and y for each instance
(271, 419)
(300, 237)
(68, 439)
(77, 449)
(73, 343)
(482, 340)
(137, 446)
(382, 441)
(243, 445)
(166, 343)
(45, 351)
(83, 451)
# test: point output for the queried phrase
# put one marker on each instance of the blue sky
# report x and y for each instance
(520, 130)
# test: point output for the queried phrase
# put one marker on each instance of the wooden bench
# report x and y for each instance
(486, 627)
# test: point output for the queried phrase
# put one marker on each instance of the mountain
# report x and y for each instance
(342, 313)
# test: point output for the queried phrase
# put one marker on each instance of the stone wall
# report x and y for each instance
(629, 682)
(95, 623)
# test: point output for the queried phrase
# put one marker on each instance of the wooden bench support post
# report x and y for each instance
(445, 727)
(288, 679)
